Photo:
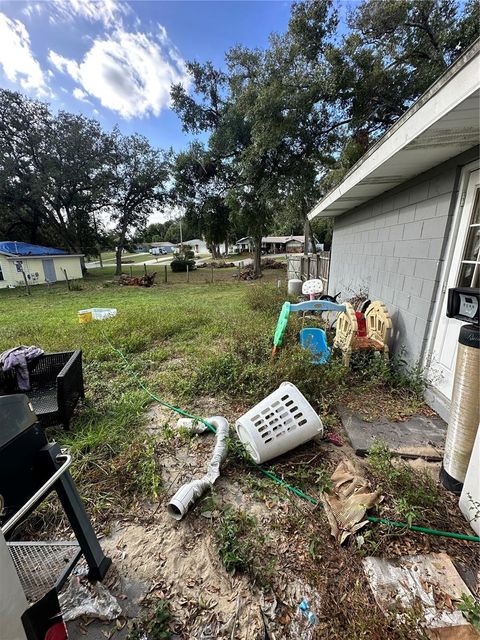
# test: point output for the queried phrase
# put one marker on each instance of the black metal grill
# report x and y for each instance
(41, 566)
(56, 381)
(30, 469)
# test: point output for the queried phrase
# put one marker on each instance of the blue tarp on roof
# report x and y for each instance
(26, 249)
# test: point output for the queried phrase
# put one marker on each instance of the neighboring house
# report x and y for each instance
(407, 221)
(159, 248)
(197, 245)
(274, 244)
(245, 244)
(39, 264)
(283, 244)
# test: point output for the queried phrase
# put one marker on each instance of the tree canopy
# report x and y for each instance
(273, 130)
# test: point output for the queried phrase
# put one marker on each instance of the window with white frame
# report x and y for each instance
(469, 275)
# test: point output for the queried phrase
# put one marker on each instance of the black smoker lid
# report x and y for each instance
(16, 415)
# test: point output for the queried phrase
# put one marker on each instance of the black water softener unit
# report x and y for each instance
(463, 304)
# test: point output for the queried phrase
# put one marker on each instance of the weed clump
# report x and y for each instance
(371, 367)
(266, 298)
(240, 546)
(154, 627)
(412, 493)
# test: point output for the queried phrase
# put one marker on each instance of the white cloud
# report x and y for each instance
(109, 12)
(65, 65)
(16, 56)
(130, 73)
(33, 9)
(80, 95)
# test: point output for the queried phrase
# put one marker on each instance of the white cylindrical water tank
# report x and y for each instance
(464, 410)
(294, 287)
(470, 497)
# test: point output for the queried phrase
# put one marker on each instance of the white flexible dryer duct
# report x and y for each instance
(189, 493)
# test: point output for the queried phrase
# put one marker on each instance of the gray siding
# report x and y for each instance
(392, 249)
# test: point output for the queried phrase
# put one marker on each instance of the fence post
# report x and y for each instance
(239, 270)
(212, 272)
(26, 283)
(165, 274)
(66, 278)
(308, 267)
(301, 267)
(145, 268)
(131, 272)
(188, 274)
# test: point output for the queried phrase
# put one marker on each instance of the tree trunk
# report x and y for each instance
(118, 259)
(226, 247)
(307, 235)
(257, 257)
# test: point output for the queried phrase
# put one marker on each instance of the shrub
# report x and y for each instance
(183, 260)
(372, 367)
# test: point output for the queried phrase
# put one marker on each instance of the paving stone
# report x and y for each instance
(416, 437)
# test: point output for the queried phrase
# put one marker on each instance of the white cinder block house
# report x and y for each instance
(407, 221)
(39, 265)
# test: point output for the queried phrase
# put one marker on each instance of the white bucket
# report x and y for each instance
(282, 421)
(294, 287)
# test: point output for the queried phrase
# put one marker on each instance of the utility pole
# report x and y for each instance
(99, 248)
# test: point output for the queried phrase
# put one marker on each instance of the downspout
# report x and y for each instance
(189, 493)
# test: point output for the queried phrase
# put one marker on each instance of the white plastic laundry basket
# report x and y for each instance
(282, 421)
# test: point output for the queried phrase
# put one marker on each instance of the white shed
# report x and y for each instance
(36, 264)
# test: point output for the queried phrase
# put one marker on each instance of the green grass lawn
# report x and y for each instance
(170, 333)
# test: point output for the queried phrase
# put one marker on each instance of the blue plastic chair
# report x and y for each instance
(315, 341)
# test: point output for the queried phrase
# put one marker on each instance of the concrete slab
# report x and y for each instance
(416, 437)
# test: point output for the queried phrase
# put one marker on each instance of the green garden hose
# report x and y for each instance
(272, 476)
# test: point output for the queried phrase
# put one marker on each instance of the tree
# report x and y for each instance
(200, 185)
(54, 172)
(394, 50)
(280, 119)
(139, 181)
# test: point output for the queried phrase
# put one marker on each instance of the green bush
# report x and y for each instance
(369, 366)
(183, 260)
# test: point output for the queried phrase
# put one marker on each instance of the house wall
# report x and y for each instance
(33, 267)
(71, 264)
(392, 248)
(5, 267)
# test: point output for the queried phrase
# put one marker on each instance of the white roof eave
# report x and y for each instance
(441, 124)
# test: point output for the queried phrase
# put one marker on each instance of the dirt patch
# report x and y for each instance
(178, 561)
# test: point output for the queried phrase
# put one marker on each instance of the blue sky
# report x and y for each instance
(115, 61)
